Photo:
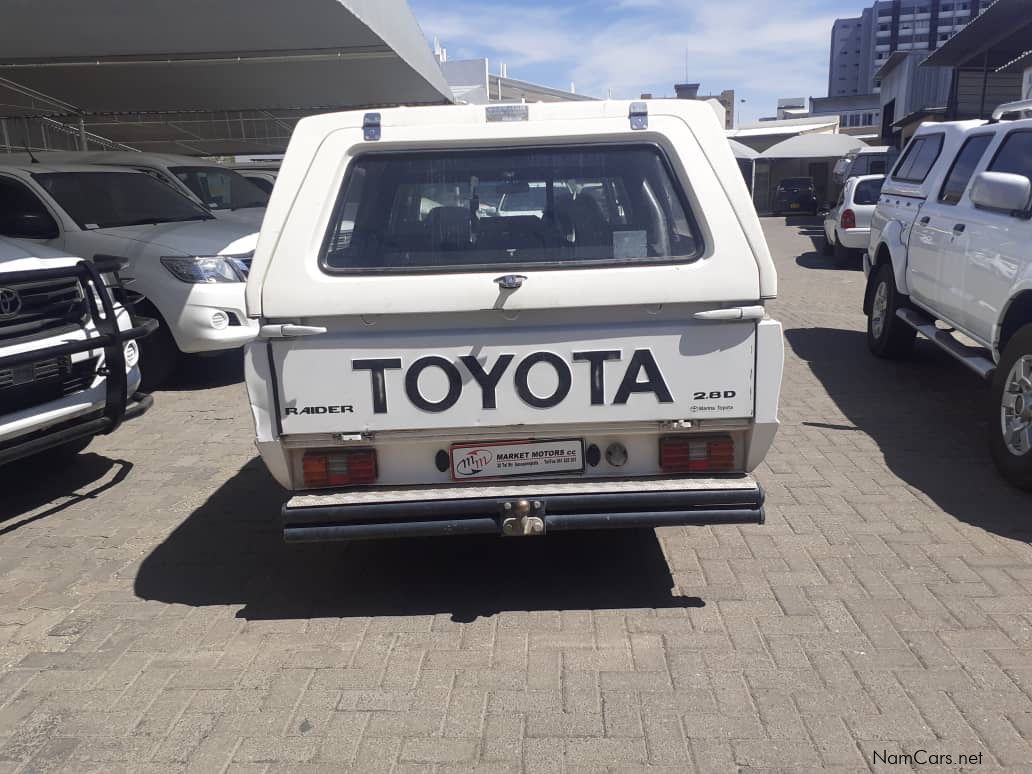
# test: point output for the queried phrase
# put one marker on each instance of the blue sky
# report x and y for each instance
(635, 46)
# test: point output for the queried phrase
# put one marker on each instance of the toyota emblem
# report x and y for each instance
(10, 303)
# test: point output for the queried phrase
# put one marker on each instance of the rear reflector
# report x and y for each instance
(340, 468)
(848, 219)
(687, 454)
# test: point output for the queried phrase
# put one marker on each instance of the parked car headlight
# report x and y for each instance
(206, 269)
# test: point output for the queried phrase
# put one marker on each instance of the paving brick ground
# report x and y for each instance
(152, 620)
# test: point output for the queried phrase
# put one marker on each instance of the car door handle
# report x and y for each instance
(959, 228)
(925, 220)
(289, 331)
(735, 313)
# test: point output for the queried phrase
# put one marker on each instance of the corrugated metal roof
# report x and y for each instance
(1002, 31)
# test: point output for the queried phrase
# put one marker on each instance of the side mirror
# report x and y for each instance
(33, 225)
(1002, 191)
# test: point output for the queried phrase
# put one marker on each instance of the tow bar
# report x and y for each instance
(523, 518)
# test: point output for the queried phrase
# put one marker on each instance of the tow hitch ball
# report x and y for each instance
(523, 518)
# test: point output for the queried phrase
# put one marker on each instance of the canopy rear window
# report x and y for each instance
(459, 211)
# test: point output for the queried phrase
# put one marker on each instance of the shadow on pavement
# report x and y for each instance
(205, 372)
(816, 260)
(928, 416)
(26, 485)
(813, 229)
(231, 551)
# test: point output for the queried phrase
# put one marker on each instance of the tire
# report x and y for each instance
(887, 336)
(159, 355)
(1012, 452)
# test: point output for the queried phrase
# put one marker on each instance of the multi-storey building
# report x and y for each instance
(861, 45)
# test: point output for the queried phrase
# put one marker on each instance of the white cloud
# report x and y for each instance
(631, 46)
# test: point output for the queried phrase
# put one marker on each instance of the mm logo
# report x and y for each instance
(473, 462)
(10, 303)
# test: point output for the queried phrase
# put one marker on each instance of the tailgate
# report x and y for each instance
(427, 377)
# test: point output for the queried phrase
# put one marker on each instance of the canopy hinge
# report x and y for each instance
(639, 115)
(371, 127)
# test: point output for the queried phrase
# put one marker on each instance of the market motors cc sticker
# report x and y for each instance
(473, 462)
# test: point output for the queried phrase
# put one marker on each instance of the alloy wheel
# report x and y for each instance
(1016, 408)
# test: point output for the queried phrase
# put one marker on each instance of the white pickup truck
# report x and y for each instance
(950, 257)
(428, 366)
(69, 355)
(185, 268)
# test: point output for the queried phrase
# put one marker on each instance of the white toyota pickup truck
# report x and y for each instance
(69, 358)
(185, 268)
(428, 366)
(950, 257)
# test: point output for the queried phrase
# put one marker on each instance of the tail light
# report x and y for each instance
(848, 219)
(350, 467)
(687, 454)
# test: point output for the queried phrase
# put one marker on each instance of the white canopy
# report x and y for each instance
(813, 146)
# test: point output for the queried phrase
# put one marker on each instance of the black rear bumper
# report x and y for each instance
(118, 406)
(533, 508)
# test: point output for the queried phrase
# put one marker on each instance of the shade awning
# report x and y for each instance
(113, 56)
(742, 151)
(813, 146)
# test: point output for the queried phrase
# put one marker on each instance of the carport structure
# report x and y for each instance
(806, 155)
(202, 77)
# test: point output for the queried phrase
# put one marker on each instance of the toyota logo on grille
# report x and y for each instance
(10, 303)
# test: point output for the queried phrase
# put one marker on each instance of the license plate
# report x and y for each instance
(795, 206)
(504, 459)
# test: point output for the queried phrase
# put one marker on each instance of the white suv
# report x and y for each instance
(68, 353)
(185, 268)
(951, 258)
